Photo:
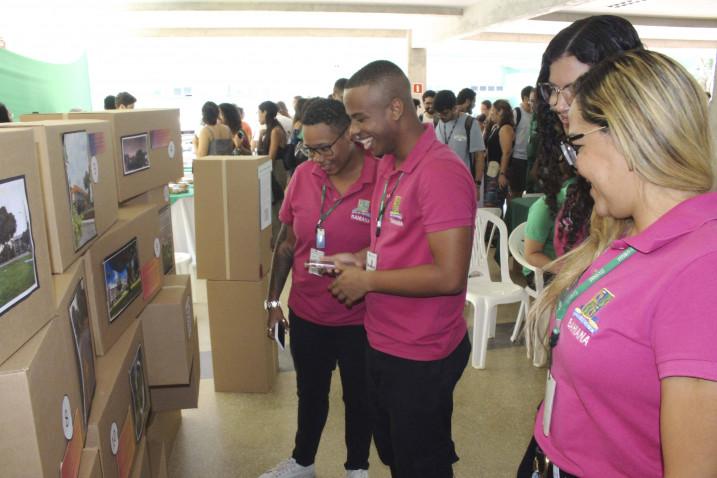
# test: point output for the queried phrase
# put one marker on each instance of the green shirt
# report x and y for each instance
(540, 226)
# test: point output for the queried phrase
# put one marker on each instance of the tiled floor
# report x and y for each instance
(242, 435)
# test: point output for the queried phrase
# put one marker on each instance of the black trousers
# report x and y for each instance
(525, 469)
(316, 349)
(412, 406)
(517, 176)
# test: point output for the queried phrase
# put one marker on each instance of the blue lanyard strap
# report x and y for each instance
(382, 204)
(577, 291)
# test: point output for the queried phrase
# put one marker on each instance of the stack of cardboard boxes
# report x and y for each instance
(232, 196)
(81, 264)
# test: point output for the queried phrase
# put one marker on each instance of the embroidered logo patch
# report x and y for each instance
(362, 212)
(586, 315)
(395, 215)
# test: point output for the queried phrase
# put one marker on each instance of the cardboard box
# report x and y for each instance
(41, 405)
(78, 180)
(244, 359)
(114, 423)
(90, 464)
(26, 296)
(142, 467)
(153, 132)
(163, 427)
(180, 397)
(42, 116)
(232, 201)
(158, 196)
(72, 305)
(158, 459)
(168, 328)
(129, 252)
(159, 199)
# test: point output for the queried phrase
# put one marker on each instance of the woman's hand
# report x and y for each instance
(344, 259)
(275, 316)
(502, 181)
(351, 285)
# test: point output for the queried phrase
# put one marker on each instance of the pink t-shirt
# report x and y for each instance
(347, 229)
(648, 319)
(435, 193)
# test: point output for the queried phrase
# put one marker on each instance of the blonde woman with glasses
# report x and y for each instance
(630, 318)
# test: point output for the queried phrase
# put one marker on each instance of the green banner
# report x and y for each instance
(28, 85)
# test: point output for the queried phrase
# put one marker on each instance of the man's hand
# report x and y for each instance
(502, 181)
(351, 285)
(275, 316)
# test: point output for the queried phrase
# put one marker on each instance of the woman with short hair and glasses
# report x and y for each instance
(629, 319)
(326, 210)
(572, 52)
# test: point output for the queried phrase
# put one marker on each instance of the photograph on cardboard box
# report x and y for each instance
(18, 274)
(80, 322)
(82, 202)
(166, 239)
(140, 393)
(123, 282)
(135, 153)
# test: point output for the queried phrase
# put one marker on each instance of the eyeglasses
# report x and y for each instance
(550, 93)
(325, 150)
(570, 150)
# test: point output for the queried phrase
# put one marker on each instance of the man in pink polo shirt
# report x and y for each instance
(422, 218)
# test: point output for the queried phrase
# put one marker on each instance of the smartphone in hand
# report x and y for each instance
(280, 334)
(320, 267)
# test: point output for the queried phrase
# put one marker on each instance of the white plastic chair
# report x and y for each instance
(516, 244)
(532, 195)
(482, 292)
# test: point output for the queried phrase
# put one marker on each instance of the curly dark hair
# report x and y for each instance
(589, 40)
(326, 111)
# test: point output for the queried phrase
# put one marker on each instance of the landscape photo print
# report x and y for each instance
(140, 393)
(80, 322)
(123, 280)
(76, 147)
(18, 272)
(135, 153)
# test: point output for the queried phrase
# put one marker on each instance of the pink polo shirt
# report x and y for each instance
(347, 229)
(654, 319)
(435, 193)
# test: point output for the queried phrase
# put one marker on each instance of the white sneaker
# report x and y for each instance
(290, 469)
(356, 473)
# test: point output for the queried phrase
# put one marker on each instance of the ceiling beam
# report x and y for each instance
(268, 32)
(642, 20)
(481, 16)
(538, 38)
(235, 6)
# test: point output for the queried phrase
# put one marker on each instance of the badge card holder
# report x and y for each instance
(371, 261)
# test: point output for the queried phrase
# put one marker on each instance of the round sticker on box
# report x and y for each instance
(114, 438)
(171, 149)
(95, 169)
(157, 247)
(67, 425)
(165, 191)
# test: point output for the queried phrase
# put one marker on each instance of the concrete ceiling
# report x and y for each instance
(427, 21)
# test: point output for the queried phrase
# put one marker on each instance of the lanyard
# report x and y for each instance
(565, 302)
(323, 216)
(448, 138)
(382, 204)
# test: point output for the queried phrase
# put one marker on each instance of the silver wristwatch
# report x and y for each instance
(271, 304)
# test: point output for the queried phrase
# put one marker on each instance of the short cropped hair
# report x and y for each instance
(325, 111)
(525, 92)
(124, 99)
(464, 95)
(428, 94)
(445, 100)
(110, 102)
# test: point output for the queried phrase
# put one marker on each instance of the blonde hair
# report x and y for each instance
(657, 116)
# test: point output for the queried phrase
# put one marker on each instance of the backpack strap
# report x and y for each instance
(469, 125)
(517, 115)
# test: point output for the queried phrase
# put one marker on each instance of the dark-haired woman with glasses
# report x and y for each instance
(571, 53)
(326, 210)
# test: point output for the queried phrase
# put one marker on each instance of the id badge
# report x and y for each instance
(320, 238)
(371, 261)
(315, 255)
(550, 389)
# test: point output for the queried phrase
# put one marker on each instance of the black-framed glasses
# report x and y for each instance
(323, 150)
(570, 150)
(550, 93)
